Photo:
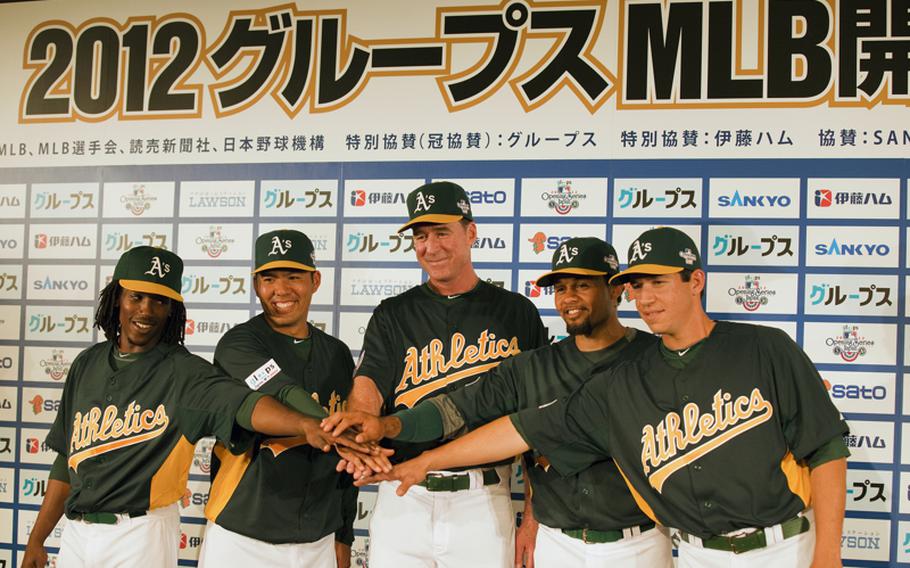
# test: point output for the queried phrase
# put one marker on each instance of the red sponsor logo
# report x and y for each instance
(40, 241)
(32, 445)
(358, 198)
(823, 198)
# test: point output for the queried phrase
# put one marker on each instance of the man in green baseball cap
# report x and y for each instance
(664, 250)
(131, 410)
(290, 508)
(424, 342)
(556, 530)
(722, 430)
(437, 202)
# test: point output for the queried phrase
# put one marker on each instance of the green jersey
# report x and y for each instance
(283, 490)
(595, 498)
(127, 434)
(420, 344)
(718, 445)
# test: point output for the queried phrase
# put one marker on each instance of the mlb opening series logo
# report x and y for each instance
(564, 199)
(751, 294)
(850, 345)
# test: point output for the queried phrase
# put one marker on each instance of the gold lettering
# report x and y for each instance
(430, 362)
(672, 435)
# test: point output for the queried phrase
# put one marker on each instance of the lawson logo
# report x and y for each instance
(836, 248)
(739, 200)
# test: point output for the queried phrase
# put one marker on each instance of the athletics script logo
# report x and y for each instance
(425, 370)
(705, 432)
(134, 427)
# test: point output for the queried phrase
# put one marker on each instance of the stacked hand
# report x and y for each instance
(363, 455)
(371, 467)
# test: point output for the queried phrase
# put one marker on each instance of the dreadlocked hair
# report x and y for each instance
(107, 316)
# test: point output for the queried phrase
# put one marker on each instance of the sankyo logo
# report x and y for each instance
(739, 200)
(850, 345)
(834, 248)
(751, 295)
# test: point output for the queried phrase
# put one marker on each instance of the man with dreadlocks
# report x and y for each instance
(132, 409)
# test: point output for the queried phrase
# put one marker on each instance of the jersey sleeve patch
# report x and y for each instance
(263, 374)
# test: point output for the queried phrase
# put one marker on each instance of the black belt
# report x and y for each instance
(591, 536)
(456, 481)
(105, 518)
(751, 541)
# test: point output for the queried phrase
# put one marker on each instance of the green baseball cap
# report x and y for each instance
(582, 256)
(438, 202)
(284, 248)
(150, 270)
(663, 250)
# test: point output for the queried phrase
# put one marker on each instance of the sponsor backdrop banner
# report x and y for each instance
(774, 133)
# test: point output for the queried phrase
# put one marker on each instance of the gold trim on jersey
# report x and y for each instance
(169, 482)
(729, 418)
(639, 500)
(230, 472)
(428, 363)
(136, 426)
(798, 479)
(280, 445)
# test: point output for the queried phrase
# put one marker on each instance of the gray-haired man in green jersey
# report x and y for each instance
(723, 431)
(586, 519)
(132, 408)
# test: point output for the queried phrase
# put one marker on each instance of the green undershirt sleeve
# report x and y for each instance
(423, 423)
(301, 400)
(244, 416)
(834, 449)
(59, 471)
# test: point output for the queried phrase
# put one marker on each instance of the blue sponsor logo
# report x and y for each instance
(487, 197)
(859, 392)
(739, 200)
(835, 248)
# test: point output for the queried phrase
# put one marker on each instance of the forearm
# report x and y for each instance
(272, 418)
(51, 511)
(365, 396)
(828, 482)
(496, 441)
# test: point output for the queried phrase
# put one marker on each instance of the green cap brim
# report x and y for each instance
(646, 269)
(548, 278)
(150, 288)
(432, 218)
(284, 264)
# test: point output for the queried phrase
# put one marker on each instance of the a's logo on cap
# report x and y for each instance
(424, 202)
(465, 208)
(640, 250)
(566, 254)
(158, 268)
(687, 255)
(279, 247)
(611, 261)
(313, 257)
